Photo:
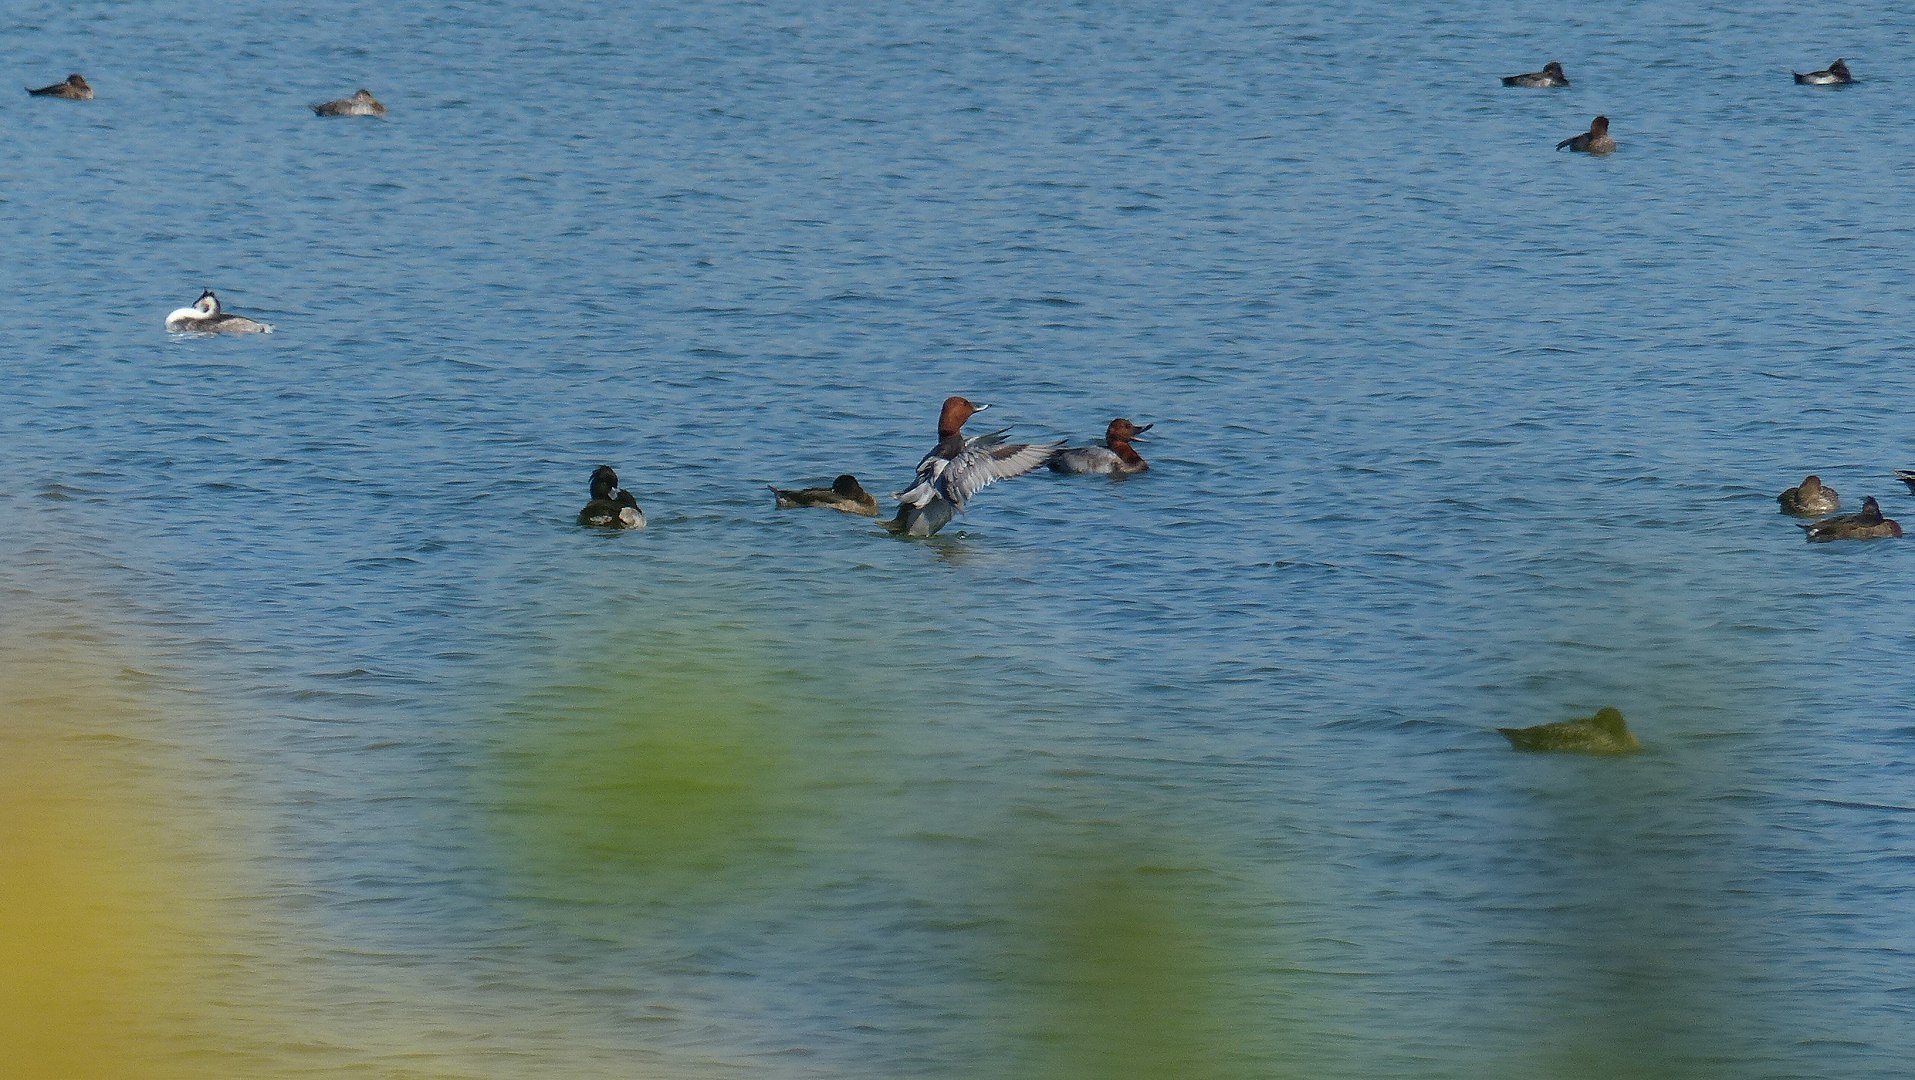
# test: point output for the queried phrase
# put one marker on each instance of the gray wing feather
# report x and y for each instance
(985, 461)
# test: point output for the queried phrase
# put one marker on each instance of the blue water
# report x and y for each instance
(1452, 432)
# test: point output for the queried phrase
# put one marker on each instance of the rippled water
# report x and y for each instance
(1191, 774)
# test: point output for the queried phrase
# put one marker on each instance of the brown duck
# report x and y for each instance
(1867, 524)
(1810, 498)
(845, 493)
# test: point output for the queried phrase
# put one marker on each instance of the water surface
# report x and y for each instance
(1195, 770)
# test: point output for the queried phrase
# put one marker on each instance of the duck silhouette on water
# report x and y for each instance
(1810, 498)
(612, 507)
(73, 89)
(1836, 74)
(845, 493)
(1594, 141)
(1866, 524)
(360, 104)
(1551, 75)
(958, 468)
(1603, 733)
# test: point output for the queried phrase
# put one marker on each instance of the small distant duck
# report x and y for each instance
(1594, 141)
(845, 493)
(1551, 75)
(73, 89)
(1868, 524)
(1810, 498)
(1603, 733)
(1116, 456)
(1836, 74)
(205, 317)
(958, 468)
(1906, 476)
(612, 507)
(360, 104)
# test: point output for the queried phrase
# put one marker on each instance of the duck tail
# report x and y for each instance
(1907, 477)
(1799, 77)
(1565, 142)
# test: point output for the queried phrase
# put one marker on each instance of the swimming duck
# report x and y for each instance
(1551, 75)
(205, 317)
(1836, 74)
(1594, 141)
(958, 468)
(1867, 524)
(1116, 456)
(1603, 733)
(360, 104)
(1906, 476)
(845, 493)
(73, 89)
(1810, 498)
(612, 507)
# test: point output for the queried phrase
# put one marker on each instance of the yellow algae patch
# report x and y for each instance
(100, 923)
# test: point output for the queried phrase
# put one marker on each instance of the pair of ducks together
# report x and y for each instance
(75, 88)
(1594, 141)
(1836, 74)
(1597, 139)
(956, 469)
(1812, 498)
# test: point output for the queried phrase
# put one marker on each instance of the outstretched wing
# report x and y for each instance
(984, 461)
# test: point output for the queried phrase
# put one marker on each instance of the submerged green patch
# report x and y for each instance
(670, 762)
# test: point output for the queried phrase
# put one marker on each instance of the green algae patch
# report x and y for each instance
(667, 765)
(1122, 958)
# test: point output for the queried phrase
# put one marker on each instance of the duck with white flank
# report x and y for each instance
(205, 317)
(1836, 74)
(612, 507)
(1116, 457)
(1551, 75)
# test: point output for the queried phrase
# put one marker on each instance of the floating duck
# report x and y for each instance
(1836, 74)
(845, 493)
(1810, 498)
(1594, 141)
(1866, 524)
(360, 104)
(1116, 456)
(612, 507)
(1551, 75)
(205, 317)
(73, 89)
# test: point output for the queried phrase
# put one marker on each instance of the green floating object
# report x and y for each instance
(1603, 733)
